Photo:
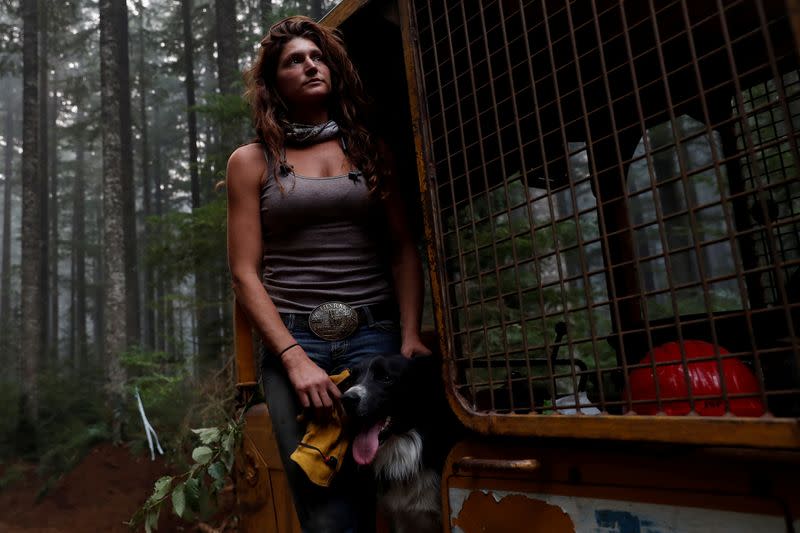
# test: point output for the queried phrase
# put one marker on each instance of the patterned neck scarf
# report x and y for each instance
(305, 134)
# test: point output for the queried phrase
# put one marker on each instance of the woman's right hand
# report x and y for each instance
(313, 386)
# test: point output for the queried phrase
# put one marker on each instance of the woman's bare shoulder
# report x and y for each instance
(246, 164)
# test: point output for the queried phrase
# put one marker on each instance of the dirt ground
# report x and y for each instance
(101, 493)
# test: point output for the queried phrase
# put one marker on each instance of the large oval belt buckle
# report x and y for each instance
(333, 321)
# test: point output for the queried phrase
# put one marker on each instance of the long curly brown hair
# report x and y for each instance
(346, 101)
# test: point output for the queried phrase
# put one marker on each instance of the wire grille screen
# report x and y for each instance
(617, 203)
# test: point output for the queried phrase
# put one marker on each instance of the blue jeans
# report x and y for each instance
(348, 505)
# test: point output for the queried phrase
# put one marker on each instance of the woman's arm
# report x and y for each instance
(407, 274)
(245, 168)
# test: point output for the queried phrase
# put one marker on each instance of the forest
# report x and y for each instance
(116, 122)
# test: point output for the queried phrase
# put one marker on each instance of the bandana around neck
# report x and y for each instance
(305, 134)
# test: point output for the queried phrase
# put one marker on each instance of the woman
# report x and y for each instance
(320, 253)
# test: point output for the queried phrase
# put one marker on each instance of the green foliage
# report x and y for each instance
(508, 281)
(192, 493)
(173, 399)
(226, 108)
(152, 371)
(181, 244)
(178, 241)
(162, 381)
(72, 424)
(72, 446)
(9, 411)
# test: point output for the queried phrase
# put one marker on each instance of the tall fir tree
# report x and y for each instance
(44, 196)
(147, 290)
(5, 279)
(79, 345)
(132, 304)
(115, 312)
(32, 309)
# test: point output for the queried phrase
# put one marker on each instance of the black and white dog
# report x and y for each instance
(397, 410)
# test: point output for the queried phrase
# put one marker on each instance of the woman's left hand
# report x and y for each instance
(413, 347)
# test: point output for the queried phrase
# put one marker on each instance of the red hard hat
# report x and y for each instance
(704, 379)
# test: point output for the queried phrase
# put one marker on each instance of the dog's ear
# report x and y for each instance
(396, 364)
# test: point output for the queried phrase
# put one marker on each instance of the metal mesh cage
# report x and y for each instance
(616, 203)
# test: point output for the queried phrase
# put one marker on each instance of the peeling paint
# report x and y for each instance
(597, 515)
(485, 512)
(457, 498)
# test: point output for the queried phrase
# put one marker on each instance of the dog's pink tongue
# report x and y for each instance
(365, 445)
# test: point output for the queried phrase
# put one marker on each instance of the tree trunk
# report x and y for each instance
(120, 26)
(227, 77)
(79, 258)
(169, 327)
(44, 200)
(53, 219)
(158, 303)
(188, 66)
(5, 281)
(227, 49)
(148, 329)
(210, 336)
(158, 184)
(32, 326)
(316, 9)
(99, 291)
(161, 336)
(114, 248)
(225, 296)
(204, 313)
(265, 9)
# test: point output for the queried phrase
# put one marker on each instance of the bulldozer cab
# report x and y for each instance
(608, 195)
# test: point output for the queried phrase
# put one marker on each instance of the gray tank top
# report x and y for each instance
(321, 243)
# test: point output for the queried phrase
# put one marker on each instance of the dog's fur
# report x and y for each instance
(397, 405)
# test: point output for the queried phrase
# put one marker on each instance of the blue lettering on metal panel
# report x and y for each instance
(617, 521)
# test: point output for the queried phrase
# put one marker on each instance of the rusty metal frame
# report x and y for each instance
(343, 11)
(601, 470)
(793, 6)
(765, 432)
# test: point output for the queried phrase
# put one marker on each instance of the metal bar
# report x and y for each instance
(581, 251)
(473, 464)
(507, 202)
(610, 265)
(565, 146)
(458, 236)
(421, 132)
(777, 76)
(493, 243)
(692, 224)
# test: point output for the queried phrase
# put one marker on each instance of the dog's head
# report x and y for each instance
(380, 399)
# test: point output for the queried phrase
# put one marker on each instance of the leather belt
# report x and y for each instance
(334, 321)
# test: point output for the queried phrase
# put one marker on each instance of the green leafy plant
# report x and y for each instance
(193, 492)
